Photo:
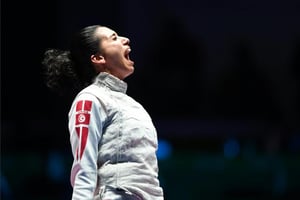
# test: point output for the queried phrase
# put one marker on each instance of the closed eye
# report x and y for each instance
(114, 36)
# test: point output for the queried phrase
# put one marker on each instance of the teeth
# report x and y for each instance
(127, 53)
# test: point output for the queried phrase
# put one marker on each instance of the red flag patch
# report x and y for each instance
(84, 106)
(82, 118)
(82, 133)
(82, 121)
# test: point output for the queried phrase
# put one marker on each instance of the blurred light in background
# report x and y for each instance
(164, 149)
(5, 188)
(231, 148)
(56, 167)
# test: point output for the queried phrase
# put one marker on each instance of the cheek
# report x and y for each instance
(114, 61)
(115, 56)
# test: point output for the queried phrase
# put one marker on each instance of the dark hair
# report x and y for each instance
(67, 72)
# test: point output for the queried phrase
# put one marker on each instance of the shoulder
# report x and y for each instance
(89, 93)
(84, 98)
(94, 95)
(84, 101)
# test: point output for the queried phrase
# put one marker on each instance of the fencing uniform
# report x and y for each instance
(114, 144)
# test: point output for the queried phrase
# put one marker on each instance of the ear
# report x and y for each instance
(97, 59)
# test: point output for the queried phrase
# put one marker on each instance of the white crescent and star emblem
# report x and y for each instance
(81, 118)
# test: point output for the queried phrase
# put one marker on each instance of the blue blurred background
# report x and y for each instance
(219, 78)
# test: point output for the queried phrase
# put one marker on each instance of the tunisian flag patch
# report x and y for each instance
(83, 109)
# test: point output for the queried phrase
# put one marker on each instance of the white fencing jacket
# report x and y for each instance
(113, 142)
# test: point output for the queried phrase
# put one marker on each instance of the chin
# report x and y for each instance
(129, 73)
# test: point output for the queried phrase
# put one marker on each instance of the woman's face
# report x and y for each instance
(115, 51)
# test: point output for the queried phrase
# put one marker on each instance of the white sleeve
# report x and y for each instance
(86, 119)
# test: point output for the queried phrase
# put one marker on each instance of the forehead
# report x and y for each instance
(104, 32)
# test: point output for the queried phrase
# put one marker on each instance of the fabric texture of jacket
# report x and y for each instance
(113, 141)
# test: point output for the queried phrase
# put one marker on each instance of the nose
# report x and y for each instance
(125, 40)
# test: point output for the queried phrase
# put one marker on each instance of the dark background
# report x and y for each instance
(219, 78)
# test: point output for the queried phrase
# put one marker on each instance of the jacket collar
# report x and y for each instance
(111, 82)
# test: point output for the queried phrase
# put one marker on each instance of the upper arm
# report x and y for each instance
(86, 120)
